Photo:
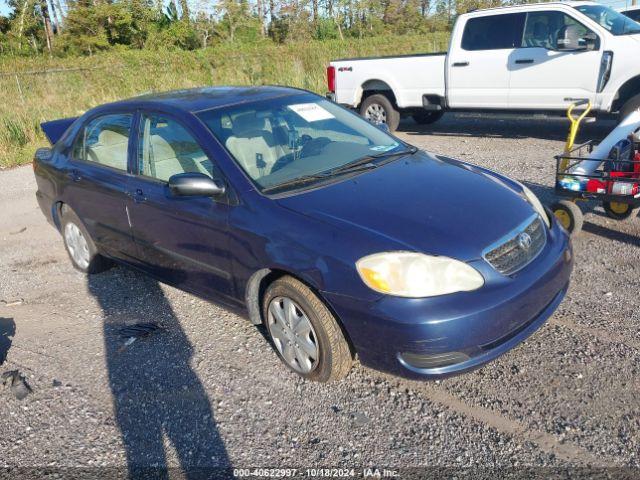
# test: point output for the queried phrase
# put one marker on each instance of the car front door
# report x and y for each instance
(543, 77)
(183, 240)
(478, 64)
(98, 172)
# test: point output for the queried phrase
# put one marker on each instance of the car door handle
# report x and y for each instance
(461, 64)
(74, 175)
(525, 61)
(138, 196)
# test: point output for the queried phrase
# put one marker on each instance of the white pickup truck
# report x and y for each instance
(530, 58)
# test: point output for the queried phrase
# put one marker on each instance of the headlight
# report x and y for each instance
(410, 274)
(535, 203)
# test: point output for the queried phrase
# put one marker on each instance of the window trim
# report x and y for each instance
(136, 158)
(80, 132)
(589, 30)
(466, 25)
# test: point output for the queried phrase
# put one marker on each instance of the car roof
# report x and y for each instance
(205, 98)
(527, 5)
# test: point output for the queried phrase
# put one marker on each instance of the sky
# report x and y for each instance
(4, 7)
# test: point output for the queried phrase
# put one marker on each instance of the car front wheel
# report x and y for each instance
(79, 245)
(304, 332)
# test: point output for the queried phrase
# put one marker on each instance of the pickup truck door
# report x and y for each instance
(543, 77)
(478, 63)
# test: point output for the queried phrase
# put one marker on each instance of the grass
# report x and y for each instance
(70, 86)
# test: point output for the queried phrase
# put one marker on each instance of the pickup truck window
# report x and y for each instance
(615, 22)
(493, 32)
(633, 14)
(543, 28)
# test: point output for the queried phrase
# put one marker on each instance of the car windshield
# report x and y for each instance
(615, 22)
(284, 142)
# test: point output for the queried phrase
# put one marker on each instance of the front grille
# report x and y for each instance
(519, 248)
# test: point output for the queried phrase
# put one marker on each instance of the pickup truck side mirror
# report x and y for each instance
(571, 39)
(194, 185)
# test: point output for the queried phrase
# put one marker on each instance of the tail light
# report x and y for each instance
(331, 79)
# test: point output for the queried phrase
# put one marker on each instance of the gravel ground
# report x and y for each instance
(208, 390)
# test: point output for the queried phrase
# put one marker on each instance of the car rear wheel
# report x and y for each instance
(79, 245)
(379, 109)
(304, 332)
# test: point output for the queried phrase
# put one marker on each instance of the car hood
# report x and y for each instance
(423, 203)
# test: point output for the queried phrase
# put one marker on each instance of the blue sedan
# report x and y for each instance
(338, 237)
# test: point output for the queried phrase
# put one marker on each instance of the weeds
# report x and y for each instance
(73, 85)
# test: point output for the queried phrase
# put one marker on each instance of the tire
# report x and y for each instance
(426, 118)
(630, 105)
(84, 254)
(379, 109)
(569, 215)
(334, 358)
(617, 210)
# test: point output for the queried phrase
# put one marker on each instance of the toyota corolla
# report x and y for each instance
(340, 238)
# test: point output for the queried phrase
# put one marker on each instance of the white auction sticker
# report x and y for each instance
(311, 112)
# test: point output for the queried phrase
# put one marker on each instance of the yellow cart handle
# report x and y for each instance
(573, 130)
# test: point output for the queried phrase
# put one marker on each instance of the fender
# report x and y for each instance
(376, 81)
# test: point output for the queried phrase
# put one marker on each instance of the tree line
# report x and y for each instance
(84, 27)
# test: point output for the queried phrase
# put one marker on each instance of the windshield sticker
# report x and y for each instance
(383, 148)
(311, 112)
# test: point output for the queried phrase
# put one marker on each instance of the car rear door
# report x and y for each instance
(98, 173)
(183, 240)
(478, 62)
(543, 77)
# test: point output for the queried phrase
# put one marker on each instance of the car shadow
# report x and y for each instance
(156, 394)
(491, 125)
(7, 331)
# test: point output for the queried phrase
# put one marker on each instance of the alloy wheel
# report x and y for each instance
(376, 113)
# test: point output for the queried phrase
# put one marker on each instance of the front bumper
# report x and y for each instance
(442, 336)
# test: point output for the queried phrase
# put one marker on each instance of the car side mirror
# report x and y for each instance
(571, 40)
(194, 185)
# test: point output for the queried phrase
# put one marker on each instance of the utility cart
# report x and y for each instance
(615, 183)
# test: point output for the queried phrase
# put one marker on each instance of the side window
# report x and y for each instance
(633, 15)
(105, 140)
(493, 32)
(543, 28)
(166, 148)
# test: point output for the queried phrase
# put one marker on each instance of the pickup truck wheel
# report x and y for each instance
(632, 104)
(304, 332)
(79, 245)
(425, 118)
(379, 109)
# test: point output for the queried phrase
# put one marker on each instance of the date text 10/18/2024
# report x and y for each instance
(315, 472)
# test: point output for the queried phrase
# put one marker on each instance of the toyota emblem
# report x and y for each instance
(524, 241)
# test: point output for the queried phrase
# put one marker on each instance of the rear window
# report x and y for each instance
(493, 32)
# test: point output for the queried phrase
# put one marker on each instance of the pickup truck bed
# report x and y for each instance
(419, 73)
